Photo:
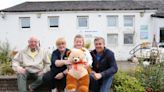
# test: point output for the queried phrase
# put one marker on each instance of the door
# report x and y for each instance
(161, 35)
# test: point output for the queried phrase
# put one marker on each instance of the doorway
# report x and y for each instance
(161, 35)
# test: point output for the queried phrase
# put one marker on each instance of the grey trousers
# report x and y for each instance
(22, 81)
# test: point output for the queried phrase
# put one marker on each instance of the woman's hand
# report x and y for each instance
(59, 75)
(67, 62)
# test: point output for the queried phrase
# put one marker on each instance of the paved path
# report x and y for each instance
(126, 65)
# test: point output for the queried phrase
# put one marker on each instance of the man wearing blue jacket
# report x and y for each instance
(104, 67)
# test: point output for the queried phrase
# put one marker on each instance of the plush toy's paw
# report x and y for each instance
(70, 88)
(83, 89)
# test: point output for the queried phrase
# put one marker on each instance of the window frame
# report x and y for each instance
(133, 20)
(130, 38)
(115, 44)
(87, 22)
(25, 26)
(49, 22)
(116, 21)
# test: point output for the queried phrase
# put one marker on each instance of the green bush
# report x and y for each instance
(124, 83)
(151, 77)
(6, 69)
(5, 60)
(87, 44)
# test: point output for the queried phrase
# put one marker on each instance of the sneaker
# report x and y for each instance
(30, 88)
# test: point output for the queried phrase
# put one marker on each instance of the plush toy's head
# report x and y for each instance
(76, 55)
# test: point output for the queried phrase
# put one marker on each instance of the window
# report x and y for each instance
(112, 39)
(128, 38)
(82, 21)
(112, 21)
(25, 22)
(53, 21)
(129, 21)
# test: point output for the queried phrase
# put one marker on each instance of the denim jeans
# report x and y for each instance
(102, 85)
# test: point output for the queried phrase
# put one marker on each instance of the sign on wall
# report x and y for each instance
(90, 33)
(144, 32)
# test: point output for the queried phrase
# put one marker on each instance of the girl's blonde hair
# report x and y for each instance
(60, 41)
(79, 36)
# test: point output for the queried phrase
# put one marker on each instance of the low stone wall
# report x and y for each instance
(9, 84)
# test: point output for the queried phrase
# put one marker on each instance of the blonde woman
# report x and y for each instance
(58, 66)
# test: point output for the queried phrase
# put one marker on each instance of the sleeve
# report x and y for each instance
(16, 61)
(113, 67)
(88, 57)
(46, 62)
(54, 57)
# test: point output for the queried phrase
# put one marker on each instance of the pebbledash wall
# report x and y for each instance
(143, 29)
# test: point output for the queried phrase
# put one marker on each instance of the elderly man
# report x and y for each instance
(31, 61)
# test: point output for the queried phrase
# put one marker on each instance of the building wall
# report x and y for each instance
(158, 23)
(10, 29)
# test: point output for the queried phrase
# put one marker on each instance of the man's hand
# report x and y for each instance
(59, 76)
(97, 76)
(21, 70)
(40, 73)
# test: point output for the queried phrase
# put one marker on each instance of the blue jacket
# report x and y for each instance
(106, 65)
(56, 55)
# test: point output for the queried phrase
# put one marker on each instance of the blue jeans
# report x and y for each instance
(102, 85)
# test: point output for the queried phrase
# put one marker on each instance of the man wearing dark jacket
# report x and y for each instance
(104, 67)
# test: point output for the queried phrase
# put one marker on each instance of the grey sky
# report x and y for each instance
(9, 3)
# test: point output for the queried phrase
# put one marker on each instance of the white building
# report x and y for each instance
(123, 24)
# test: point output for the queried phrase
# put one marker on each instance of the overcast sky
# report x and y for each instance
(9, 3)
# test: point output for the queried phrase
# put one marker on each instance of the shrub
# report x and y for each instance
(124, 83)
(5, 60)
(87, 44)
(151, 77)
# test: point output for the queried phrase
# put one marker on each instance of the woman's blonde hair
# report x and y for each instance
(60, 41)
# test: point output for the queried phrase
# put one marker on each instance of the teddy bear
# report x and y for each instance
(78, 75)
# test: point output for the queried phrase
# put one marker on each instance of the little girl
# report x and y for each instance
(79, 44)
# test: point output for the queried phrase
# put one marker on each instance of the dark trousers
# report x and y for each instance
(55, 83)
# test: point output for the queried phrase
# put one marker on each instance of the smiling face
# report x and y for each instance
(78, 43)
(33, 43)
(61, 45)
(99, 45)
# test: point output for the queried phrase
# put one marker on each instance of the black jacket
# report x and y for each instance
(106, 65)
(56, 55)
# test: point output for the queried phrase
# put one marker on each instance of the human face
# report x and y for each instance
(78, 43)
(99, 46)
(32, 43)
(61, 47)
